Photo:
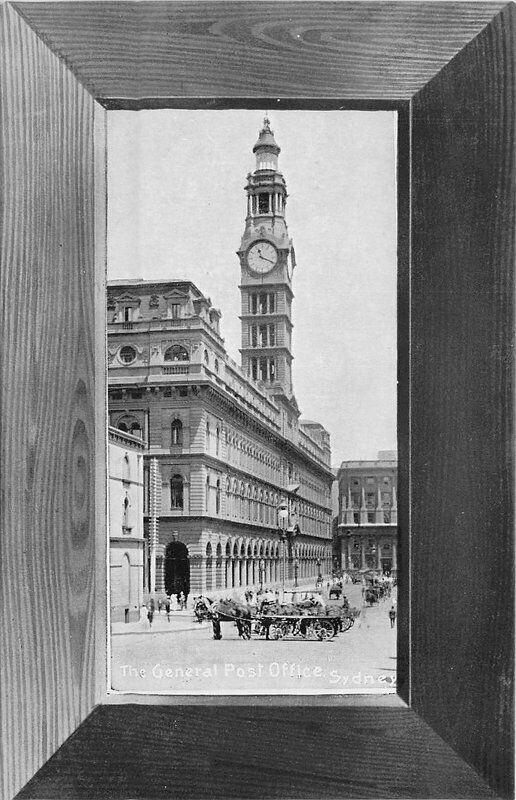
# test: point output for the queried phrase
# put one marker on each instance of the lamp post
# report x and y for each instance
(282, 530)
(261, 569)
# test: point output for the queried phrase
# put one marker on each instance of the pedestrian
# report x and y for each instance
(151, 607)
(392, 615)
(215, 620)
(167, 609)
(182, 603)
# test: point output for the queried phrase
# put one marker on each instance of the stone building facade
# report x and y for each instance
(126, 540)
(367, 533)
(237, 487)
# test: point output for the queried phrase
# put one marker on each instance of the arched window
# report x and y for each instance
(126, 469)
(129, 424)
(217, 442)
(216, 365)
(176, 491)
(207, 494)
(217, 497)
(206, 357)
(176, 353)
(177, 432)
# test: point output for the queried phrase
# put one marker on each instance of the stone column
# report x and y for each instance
(394, 508)
(350, 564)
(378, 554)
(379, 510)
(394, 554)
(363, 509)
(362, 554)
(196, 569)
(160, 570)
(154, 481)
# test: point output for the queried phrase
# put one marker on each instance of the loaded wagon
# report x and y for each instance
(275, 621)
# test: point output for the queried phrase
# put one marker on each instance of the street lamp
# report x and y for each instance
(261, 570)
(282, 530)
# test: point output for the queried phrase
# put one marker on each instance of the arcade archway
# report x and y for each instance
(177, 568)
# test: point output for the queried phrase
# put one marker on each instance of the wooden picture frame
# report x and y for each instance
(448, 68)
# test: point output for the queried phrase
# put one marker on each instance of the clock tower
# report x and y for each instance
(267, 261)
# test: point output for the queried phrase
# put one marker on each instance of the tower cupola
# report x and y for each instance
(266, 149)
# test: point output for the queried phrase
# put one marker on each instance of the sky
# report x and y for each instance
(176, 210)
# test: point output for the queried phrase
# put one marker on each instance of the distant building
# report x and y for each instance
(126, 541)
(237, 487)
(367, 534)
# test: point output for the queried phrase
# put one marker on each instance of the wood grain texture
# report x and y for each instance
(462, 416)
(255, 753)
(49, 420)
(454, 383)
(339, 50)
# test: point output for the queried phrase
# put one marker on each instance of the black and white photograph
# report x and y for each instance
(257, 383)
(251, 325)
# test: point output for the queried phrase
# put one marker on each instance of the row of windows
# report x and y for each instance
(240, 452)
(371, 517)
(249, 503)
(263, 369)
(130, 312)
(127, 354)
(259, 505)
(262, 335)
(267, 203)
(371, 480)
(371, 499)
(369, 544)
(262, 303)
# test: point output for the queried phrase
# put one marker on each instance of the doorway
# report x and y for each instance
(177, 569)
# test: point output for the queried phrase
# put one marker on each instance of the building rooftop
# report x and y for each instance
(386, 464)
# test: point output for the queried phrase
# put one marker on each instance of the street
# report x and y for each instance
(181, 657)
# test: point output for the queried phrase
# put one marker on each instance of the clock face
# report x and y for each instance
(262, 256)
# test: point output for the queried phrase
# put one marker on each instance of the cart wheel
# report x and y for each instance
(328, 629)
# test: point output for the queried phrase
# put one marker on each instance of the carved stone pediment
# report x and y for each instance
(175, 294)
(126, 297)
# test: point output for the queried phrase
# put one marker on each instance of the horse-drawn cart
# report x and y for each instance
(311, 624)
